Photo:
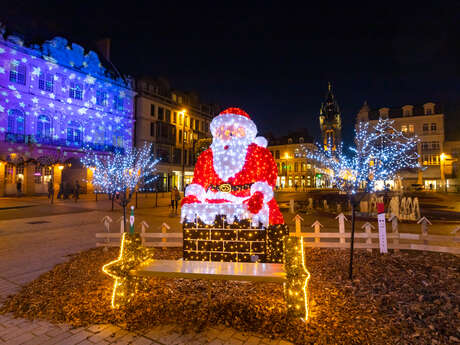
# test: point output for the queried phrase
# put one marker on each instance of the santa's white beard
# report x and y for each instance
(228, 162)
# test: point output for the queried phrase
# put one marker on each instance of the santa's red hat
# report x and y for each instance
(234, 116)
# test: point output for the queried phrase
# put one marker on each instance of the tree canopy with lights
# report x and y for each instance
(381, 152)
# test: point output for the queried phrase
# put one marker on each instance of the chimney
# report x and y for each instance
(103, 48)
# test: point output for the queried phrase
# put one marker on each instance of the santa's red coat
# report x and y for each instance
(259, 166)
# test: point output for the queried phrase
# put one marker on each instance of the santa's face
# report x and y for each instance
(229, 148)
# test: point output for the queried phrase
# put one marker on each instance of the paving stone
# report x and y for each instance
(97, 328)
(216, 342)
(38, 340)
(105, 333)
(76, 338)
(226, 334)
(21, 339)
(59, 338)
(233, 341)
(253, 340)
(142, 341)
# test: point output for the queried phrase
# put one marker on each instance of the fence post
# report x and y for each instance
(394, 227)
(317, 225)
(164, 229)
(122, 224)
(291, 206)
(106, 220)
(424, 222)
(368, 229)
(144, 225)
(298, 225)
(341, 217)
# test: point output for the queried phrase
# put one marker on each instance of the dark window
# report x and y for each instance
(45, 82)
(18, 72)
(177, 156)
(101, 98)
(168, 115)
(74, 134)
(164, 154)
(43, 127)
(185, 156)
(174, 117)
(16, 122)
(76, 91)
(425, 127)
(152, 129)
(180, 135)
(161, 114)
(433, 127)
(118, 103)
(152, 109)
(277, 154)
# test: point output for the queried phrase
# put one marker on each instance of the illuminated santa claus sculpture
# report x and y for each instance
(235, 178)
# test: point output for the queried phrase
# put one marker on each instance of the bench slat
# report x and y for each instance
(212, 270)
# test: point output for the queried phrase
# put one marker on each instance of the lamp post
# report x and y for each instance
(443, 176)
(183, 148)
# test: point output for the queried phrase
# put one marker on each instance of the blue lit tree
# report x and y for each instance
(122, 174)
(381, 152)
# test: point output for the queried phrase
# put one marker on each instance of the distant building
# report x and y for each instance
(293, 168)
(56, 99)
(427, 122)
(330, 121)
(173, 121)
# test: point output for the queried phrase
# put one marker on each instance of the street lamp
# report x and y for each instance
(443, 176)
(182, 113)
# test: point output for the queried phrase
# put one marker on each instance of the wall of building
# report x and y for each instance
(162, 116)
(56, 99)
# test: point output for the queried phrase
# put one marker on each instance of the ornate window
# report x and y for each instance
(101, 98)
(46, 82)
(43, 128)
(76, 91)
(74, 134)
(118, 103)
(16, 125)
(18, 72)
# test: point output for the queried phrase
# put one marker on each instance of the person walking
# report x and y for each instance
(76, 190)
(175, 199)
(19, 187)
(51, 191)
(61, 190)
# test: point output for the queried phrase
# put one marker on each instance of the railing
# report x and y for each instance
(32, 139)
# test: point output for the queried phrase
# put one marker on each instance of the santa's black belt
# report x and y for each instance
(227, 187)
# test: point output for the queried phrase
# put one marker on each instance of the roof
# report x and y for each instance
(395, 112)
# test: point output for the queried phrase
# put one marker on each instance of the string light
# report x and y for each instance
(297, 276)
(121, 172)
(381, 152)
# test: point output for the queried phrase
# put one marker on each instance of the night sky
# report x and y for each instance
(272, 61)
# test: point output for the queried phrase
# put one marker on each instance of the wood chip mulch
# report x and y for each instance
(410, 298)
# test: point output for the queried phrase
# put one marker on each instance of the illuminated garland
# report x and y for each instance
(297, 276)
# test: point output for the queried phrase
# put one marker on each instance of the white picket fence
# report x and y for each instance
(149, 239)
(369, 240)
(364, 239)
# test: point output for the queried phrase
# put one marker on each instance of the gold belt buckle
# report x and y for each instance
(225, 187)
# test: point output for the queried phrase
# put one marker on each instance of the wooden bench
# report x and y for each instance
(136, 263)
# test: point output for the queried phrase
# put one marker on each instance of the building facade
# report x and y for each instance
(330, 121)
(55, 100)
(174, 122)
(295, 172)
(427, 123)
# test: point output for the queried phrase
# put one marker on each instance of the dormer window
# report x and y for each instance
(428, 108)
(301, 140)
(383, 112)
(290, 141)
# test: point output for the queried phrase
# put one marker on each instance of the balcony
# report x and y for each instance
(34, 140)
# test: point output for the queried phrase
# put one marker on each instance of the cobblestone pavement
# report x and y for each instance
(25, 332)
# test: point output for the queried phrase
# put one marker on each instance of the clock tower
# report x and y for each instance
(330, 121)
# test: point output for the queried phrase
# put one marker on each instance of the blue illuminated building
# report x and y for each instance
(55, 100)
